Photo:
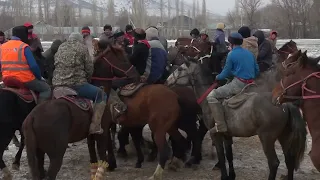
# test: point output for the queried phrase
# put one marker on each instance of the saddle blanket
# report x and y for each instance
(237, 100)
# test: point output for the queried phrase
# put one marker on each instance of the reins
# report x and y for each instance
(304, 88)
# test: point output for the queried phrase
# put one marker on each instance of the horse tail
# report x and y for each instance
(31, 144)
(297, 137)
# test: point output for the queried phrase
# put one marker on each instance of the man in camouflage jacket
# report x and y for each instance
(74, 68)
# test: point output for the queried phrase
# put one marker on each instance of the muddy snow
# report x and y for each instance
(249, 161)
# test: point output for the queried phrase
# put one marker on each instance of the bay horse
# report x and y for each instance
(302, 85)
(249, 114)
(67, 119)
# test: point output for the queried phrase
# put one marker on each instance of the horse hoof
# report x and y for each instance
(138, 165)
(16, 167)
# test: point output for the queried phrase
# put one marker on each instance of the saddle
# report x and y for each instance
(17, 87)
(236, 101)
(130, 89)
(72, 96)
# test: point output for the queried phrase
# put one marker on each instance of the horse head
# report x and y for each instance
(111, 63)
(287, 49)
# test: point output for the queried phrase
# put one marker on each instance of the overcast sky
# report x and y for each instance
(220, 6)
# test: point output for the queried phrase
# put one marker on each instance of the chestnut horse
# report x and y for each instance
(53, 124)
(302, 85)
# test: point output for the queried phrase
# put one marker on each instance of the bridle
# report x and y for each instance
(112, 68)
(198, 51)
(288, 53)
(287, 65)
(304, 88)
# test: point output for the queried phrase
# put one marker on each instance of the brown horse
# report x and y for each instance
(302, 85)
(52, 125)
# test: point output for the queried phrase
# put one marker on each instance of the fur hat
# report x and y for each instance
(152, 32)
(85, 29)
(76, 36)
(21, 32)
(245, 31)
(221, 26)
(139, 34)
(107, 26)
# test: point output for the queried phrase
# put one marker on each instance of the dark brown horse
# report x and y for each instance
(302, 85)
(67, 120)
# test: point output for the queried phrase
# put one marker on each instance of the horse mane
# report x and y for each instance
(311, 62)
(287, 44)
(107, 46)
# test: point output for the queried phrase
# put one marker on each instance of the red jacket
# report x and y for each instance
(129, 37)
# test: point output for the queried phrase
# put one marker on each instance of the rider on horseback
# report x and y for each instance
(74, 68)
(195, 33)
(241, 64)
(17, 62)
(204, 35)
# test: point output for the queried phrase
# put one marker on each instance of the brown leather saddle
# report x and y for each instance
(131, 89)
(72, 96)
(17, 87)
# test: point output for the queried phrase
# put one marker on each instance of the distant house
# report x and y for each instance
(179, 26)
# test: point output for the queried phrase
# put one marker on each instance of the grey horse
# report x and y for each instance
(248, 114)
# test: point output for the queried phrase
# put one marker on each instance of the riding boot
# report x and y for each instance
(218, 115)
(95, 126)
(117, 107)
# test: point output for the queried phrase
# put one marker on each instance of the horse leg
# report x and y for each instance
(193, 133)
(163, 149)
(123, 136)
(179, 150)
(113, 133)
(93, 155)
(102, 147)
(221, 156)
(111, 158)
(17, 158)
(289, 158)
(15, 140)
(202, 132)
(136, 134)
(154, 151)
(269, 150)
(229, 154)
(56, 155)
(5, 138)
(40, 158)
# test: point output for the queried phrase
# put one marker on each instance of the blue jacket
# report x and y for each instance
(240, 63)
(31, 61)
(156, 62)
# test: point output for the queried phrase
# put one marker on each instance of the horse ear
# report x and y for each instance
(305, 53)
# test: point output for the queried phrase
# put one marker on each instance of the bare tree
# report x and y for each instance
(193, 13)
(182, 17)
(177, 23)
(250, 8)
(46, 7)
(232, 18)
(204, 13)
(139, 13)
(111, 12)
(40, 13)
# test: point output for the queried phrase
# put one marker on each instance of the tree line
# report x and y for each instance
(62, 13)
(291, 18)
